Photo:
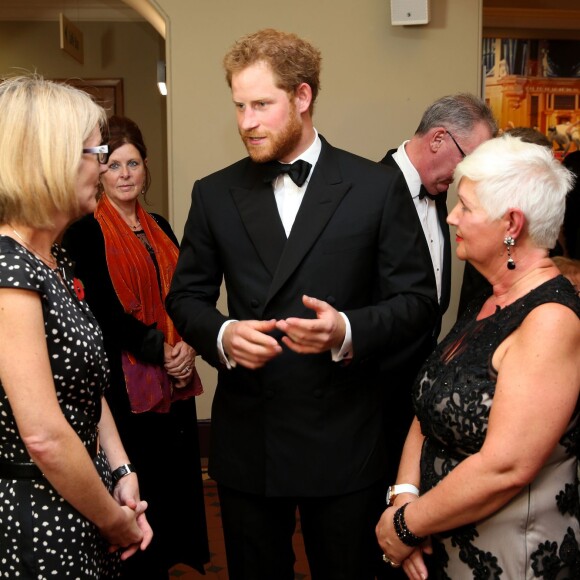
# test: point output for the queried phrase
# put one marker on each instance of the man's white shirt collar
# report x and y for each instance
(411, 175)
(311, 155)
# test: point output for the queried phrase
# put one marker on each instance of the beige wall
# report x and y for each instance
(376, 81)
(112, 50)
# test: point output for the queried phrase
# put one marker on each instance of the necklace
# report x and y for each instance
(136, 227)
(50, 262)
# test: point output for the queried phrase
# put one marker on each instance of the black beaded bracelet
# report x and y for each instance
(403, 532)
(121, 471)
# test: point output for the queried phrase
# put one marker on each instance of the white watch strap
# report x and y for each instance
(405, 488)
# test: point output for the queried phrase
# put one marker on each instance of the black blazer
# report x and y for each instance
(398, 409)
(441, 206)
(303, 425)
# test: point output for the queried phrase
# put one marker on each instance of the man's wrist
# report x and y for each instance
(224, 357)
(344, 350)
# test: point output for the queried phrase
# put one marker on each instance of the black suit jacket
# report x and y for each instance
(398, 408)
(303, 425)
(441, 205)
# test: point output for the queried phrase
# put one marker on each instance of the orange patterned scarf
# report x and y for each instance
(134, 278)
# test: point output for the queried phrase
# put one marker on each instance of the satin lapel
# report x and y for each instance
(388, 159)
(323, 195)
(259, 213)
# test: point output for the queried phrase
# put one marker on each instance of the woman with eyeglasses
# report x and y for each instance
(60, 514)
(487, 484)
(125, 258)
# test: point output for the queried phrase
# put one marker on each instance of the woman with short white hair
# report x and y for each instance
(492, 449)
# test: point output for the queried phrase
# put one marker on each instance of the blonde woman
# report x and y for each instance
(60, 514)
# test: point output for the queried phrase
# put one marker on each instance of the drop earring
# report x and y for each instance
(509, 243)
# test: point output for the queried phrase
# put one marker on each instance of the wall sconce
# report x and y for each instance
(161, 77)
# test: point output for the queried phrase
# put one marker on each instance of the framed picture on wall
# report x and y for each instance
(535, 83)
(107, 92)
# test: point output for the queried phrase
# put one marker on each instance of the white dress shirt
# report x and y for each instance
(288, 195)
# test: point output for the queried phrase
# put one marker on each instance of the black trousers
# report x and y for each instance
(338, 531)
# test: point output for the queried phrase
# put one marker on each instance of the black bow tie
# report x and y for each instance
(424, 193)
(298, 171)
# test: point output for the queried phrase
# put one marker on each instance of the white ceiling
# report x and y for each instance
(75, 10)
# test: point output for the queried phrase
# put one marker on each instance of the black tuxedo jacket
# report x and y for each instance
(441, 205)
(303, 425)
(398, 408)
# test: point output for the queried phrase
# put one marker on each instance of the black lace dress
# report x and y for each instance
(536, 534)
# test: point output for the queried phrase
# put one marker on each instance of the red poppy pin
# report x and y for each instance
(79, 288)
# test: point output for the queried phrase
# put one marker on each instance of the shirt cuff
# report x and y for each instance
(224, 358)
(345, 351)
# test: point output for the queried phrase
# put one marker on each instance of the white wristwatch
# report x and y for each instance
(394, 490)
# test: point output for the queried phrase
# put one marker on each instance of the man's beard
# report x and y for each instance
(280, 145)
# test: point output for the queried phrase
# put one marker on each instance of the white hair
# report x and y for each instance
(510, 173)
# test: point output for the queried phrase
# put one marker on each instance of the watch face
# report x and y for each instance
(390, 495)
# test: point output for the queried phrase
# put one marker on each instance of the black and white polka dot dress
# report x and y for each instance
(42, 535)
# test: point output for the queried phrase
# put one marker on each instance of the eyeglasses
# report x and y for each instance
(102, 153)
(463, 154)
